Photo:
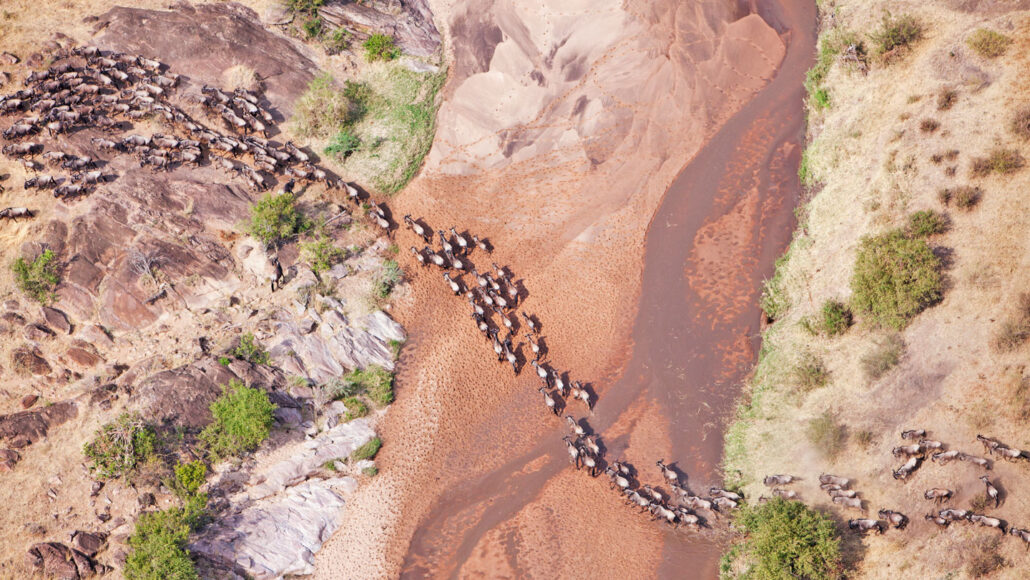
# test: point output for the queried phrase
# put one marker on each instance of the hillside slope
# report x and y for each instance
(892, 135)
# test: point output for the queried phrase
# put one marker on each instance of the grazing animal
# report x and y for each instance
(422, 261)
(724, 504)
(534, 345)
(659, 511)
(572, 449)
(722, 493)
(695, 503)
(944, 457)
(774, 480)
(992, 492)
(40, 182)
(685, 517)
(829, 487)
(981, 461)
(481, 244)
(906, 470)
(929, 444)
(989, 443)
(1022, 535)
(1010, 454)
(841, 481)
(953, 514)
(942, 522)
(530, 322)
(589, 461)
(654, 493)
(540, 371)
(590, 442)
(908, 451)
(668, 473)
(633, 496)
(559, 384)
(574, 425)
(896, 519)
(864, 525)
(455, 286)
(938, 494)
(785, 493)
(835, 493)
(987, 522)
(509, 354)
(849, 502)
(460, 240)
(913, 434)
(433, 256)
(417, 228)
(621, 467)
(549, 401)
(13, 213)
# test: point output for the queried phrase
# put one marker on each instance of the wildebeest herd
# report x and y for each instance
(90, 88)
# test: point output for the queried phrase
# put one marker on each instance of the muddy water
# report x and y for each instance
(714, 238)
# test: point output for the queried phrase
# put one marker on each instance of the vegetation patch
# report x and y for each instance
(827, 435)
(999, 160)
(323, 110)
(380, 47)
(883, 357)
(242, 420)
(343, 144)
(783, 540)
(811, 373)
(38, 278)
(1015, 330)
(122, 446)
(926, 223)
(988, 43)
(895, 278)
(188, 478)
(774, 301)
(356, 408)
(388, 276)
(368, 450)
(946, 99)
(964, 197)
(929, 125)
(834, 319)
(983, 558)
(374, 381)
(275, 218)
(321, 254)
(1021, 123)
(249, 350)
(894, 35)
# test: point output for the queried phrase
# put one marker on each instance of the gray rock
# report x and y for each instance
(57, 320)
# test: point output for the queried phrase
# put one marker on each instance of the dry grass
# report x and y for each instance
(1021, 123)
(1000, 160)
(988, 43)
(241, 77)
(1015, 330)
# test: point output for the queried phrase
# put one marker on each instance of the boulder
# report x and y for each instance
(28, 400)
(31, 426)
(29, 361)
(88, 543)
(37, 332)
(181, 396)
(57, 320)
(8, 457)
(55, 560)
(409, 22)
(96, 336)
(82, 354)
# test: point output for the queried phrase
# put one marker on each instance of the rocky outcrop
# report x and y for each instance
(27, 427)
(409, 22)
(284, 517)
(57, 561)
(324, 346)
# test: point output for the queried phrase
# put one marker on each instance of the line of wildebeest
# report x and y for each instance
(90, 88)
(494, 297)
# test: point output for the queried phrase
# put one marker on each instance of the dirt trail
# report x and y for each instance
(475, 480)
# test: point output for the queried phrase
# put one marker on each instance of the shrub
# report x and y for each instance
(313, 28)
(999, 160)
(895, 278)
(929, 125)
(805, 174)
(355, 408)
(926, 223)
(275, 218)
(883, 357)
(380, 47)
(389, 276)
(321, 254)
(810, 373)
(865, 438)
(820, 98)
(188, 478)
(946, 99)
(1016, 330)
(785, 540)
(368, 450)
(121, 446)
(38, 278)
(988, 43)
(965, 197)
(1021, 123)
(895, 34)
(338, 41)
(224, 361)
(985, 559)
(242, 420)
(249, 350)
(322, 110)
(158, 545)
(343, 144)
(374, 381)
(240, 77)
(833, 319)
(371, 471)
(774, 301)
(827, 435)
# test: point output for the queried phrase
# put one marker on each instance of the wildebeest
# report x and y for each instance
(944, 457)
(913, 434)
(987, 522)
(938, 494)
(1022, 535)
(849, 502)
(833, 479)
(906, 470)
(864, 525)
(774, 480)
(13, 213)
(896, 519)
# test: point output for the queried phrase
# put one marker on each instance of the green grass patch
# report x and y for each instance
(39, 278)
(356, 408)
(834, 319)
(926, 223)
(999, 160)
(121, 447)
(783, 540)
(810, 373)
(242, 420)
(371, 471)
(343, 144)
(380, 47)
(894, 35)
(157, 546)
(188, 478)
(368, 450)
(988, 43)
(895, 278)
(386, 279)
(374, 381)
(323, 110)
(774, 301)
(321, 254)
(249, 350)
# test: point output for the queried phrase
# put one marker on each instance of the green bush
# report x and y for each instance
(368, 450)
(926, 223)
(783, 540)
(380, 47)
(338, 41)
(121, 446)
(313, 28)
(158, 546)
(834, 319)
(389, 276)
(988, 43)
(38, 278)
(242, 420)
(343, 144)
(895, 278)
(827, 435)
(275, 218)
(999, 160)
(189, 477)
(811, 373)
(375, 381)
(249, 350)
(321, 254)
(895, 34)
(885, 356)
(371, 471)
(322, 110)
(355, 408)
